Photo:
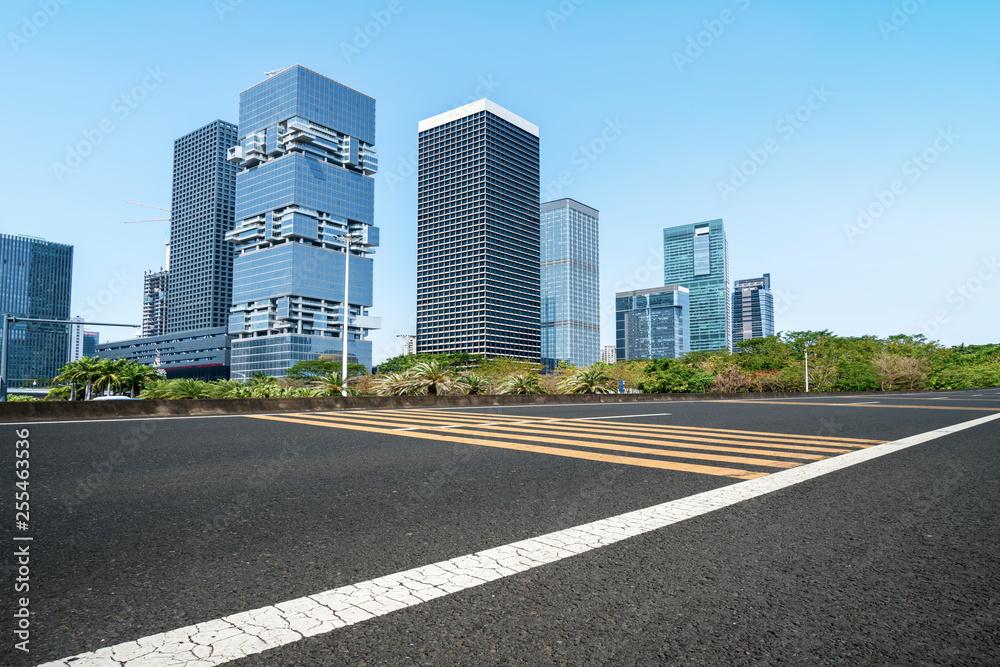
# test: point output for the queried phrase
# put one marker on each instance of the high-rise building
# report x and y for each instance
(201, 214)
(652, 323)
(154, 303)
(36, 280)
(307, 158)
(753, 308)
(90, 342)
(609, 354)
(571, 318)
(478, 274)
(697, 257)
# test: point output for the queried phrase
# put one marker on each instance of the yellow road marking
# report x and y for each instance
(571, 453)
(663, 442)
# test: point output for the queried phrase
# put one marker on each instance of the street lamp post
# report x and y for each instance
(348, 239)
(807, 369)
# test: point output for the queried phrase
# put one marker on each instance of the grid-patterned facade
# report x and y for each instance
(697, 257)
(36, 280)
(570, 315)
(652, 323)
(201, 214)
(478, 233)
(753, 308)
(154, 302)
(306, 152)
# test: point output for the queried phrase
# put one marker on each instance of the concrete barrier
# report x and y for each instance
(41, 411)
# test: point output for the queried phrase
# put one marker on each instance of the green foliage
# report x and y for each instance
(521, 383)
(454, 362)
(313, 369)
(472, 384)
(664, 376)
(22, 398)
(593, 380)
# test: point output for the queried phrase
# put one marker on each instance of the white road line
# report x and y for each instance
(651, 414)
(258, 630)
(868, 403)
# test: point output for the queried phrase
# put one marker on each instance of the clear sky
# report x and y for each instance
(851, 147)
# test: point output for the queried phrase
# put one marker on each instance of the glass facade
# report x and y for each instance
(652, 323)
(201, 214)
(570, 316)
(306, 153)
(478, 235)
(697, 257)
(753, 308)
(36, 280)
(202, 354)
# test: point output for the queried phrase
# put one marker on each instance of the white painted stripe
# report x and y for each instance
(651, 414)
(258, 630)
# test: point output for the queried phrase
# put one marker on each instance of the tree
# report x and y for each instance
(331, 385)
(430, 377)
(472, 384)
(134, 376)
(888, 370)
(520, 383)
(393, 384)
(109, 374)
(309, 370)
(593, 380)
(674, 376)
(187, 388)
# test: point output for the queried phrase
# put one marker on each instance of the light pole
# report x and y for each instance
(348, 239)
(807, 369)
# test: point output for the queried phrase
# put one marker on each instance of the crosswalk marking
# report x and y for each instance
(647, 445)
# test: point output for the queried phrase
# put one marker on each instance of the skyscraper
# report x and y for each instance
(753, 308)
(697, 257)
(571, 319)
(201, 214)
(652, 323)
(307, 157)
(36, 280)
(154, 302)
(478, 274)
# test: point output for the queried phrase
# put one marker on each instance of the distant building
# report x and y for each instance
(697, 257)
(307, 160)
(609, 354)
(90, 342)
(753, 308)
(202, 354)
(478, 233)
(74, 350)
(36, 280)
(154, 303)
(409, 345)
(571, 318)
(652, 323)
(200, 261)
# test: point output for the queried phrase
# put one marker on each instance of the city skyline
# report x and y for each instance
(825, 160)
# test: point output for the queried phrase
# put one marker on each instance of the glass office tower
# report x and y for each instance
(697, 257)
(201, 214)
(36, 280)
(478, 233)
(652, 323)
(571, 319)
(307, 157)
(753, 308)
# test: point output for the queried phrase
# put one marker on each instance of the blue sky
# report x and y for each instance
(850, 147)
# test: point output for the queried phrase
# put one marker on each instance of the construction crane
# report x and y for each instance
(149, 219)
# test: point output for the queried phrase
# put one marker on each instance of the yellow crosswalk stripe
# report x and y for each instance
(579, 454)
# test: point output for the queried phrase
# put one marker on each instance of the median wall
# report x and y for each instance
(34, 411)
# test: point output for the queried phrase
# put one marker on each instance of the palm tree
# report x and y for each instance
(109, 374)
(70, 375)
(520, 384)
(473, 384)
(135, 376)
(393, 384)
(330, 385)
(593, 380)
(156, 390)
(430, 377)
(228, 389)
(187, 388)
(85, 372)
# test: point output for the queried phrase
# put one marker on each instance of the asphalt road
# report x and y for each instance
(140, 527)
